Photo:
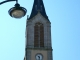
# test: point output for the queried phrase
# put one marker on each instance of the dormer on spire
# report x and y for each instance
(38, 6)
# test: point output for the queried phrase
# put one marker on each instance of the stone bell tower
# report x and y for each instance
(38, 34)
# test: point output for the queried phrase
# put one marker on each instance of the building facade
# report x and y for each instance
(38, 34)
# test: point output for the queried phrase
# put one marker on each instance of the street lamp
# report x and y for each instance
(17, 11)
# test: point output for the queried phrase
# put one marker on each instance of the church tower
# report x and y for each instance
(38, 34)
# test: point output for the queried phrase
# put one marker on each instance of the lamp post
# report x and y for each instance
(17, 11)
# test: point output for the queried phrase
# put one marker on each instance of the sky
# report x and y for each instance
(64, 16)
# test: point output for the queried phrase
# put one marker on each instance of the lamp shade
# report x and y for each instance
(17, 11)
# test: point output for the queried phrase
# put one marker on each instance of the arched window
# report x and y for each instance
(38, 35)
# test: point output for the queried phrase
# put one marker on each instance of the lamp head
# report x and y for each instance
(17, 11)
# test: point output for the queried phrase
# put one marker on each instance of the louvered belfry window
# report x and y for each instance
(38, 35)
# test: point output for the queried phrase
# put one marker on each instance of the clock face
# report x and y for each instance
(38, 57)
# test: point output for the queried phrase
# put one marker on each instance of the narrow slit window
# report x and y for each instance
(41, 7)
(36, 7)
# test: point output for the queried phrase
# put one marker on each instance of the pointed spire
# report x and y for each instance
(38, 6)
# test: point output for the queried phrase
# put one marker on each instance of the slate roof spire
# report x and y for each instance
(38, 6)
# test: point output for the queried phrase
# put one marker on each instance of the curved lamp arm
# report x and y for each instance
(7, 1)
